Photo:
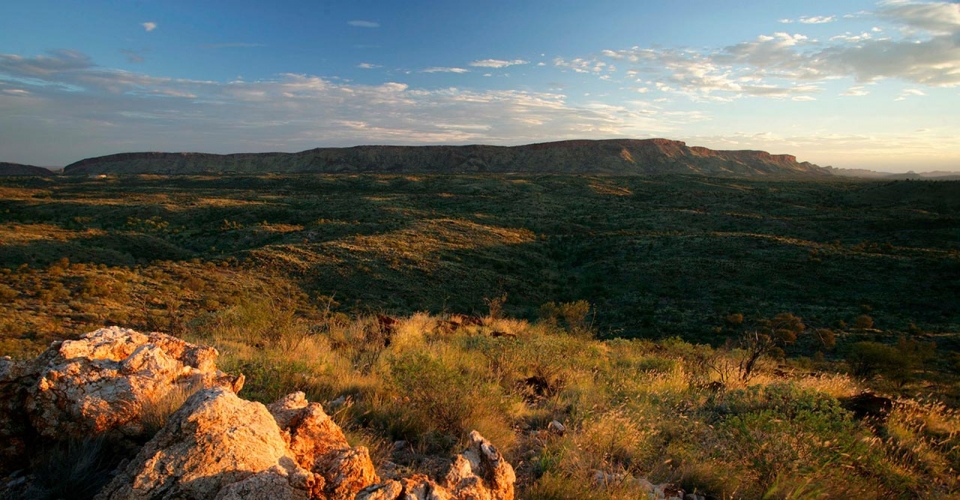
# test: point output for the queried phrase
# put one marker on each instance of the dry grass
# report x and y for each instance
(634, 408)
(154, 414)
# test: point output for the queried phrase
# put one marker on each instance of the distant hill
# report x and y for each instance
(621, 157)
(18, 169)
(938, 175)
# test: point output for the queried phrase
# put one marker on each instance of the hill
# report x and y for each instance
(937, 175)
(18, 169)
(617, 157)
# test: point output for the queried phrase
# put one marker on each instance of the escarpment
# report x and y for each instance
(612, 157)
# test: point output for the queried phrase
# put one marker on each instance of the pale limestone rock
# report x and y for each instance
(416, 487)
(481, 473)
(555, 427)
(390, 490)
(271, 484)
(318, 445)
(100, 382)
(215, 446)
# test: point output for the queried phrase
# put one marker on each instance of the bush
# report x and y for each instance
(863, 322)
(869, 358)
(574, 316)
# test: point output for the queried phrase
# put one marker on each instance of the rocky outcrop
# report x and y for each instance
(318, 444)
(478, 473)
(103, 384)
(105, 381)
(617, 157)
(215, 444)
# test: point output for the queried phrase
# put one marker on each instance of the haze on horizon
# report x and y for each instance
(861, 84)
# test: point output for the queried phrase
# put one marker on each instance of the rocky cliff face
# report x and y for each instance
(617, 157)
(108, 384)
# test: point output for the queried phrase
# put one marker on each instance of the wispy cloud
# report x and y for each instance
(817, 19)
(368, 66)
(855, 91)
(55, 62)
(937, 17)
(810, 20)
(364, 24)
(113, 110)
(232, 45)
(925, 50)
(497, 63)
(441, 69)
(149, 26)
(132, 56)
(910, 93)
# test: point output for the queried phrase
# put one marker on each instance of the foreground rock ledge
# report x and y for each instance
(216, 445)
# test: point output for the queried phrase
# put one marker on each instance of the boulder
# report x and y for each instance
(481, 473)
(478, 473)
(102, 382)
(317, 443)
(215, 446)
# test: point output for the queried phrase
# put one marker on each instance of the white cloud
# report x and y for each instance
(910, 93)
(851, 38)
(149, 26)
(441, 69)
(106, 110)
(926, 51)
(935, 17)
(368, 66)
(817, 19)
(855, 91)
(497, 63)
(363, 24)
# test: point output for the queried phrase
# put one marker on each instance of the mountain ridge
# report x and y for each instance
(613, 156)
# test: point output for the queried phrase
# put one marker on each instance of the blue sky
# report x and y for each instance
(857, 84)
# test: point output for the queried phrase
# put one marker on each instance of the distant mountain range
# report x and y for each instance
(621, 157)
(870, 174)
(615, 157)
(18, 169)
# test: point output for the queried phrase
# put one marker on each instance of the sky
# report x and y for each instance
(852, 84)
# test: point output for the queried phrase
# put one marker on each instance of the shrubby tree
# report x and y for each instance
(769, 337)
(575, 316)
(863, 322)
(896, 363)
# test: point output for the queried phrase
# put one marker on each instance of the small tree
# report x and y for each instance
(575, 315)
(863, 322)
(769, 337)
(495, 305)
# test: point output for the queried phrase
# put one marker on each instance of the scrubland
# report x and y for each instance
(627, 309)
